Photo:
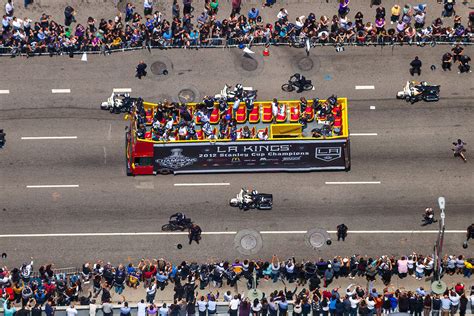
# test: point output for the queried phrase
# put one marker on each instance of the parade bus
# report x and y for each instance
(281, 143)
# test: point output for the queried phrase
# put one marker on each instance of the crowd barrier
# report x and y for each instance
(233, 43)
(222, 309)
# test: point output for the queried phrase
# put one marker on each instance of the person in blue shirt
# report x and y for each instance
(283, 307)
(253, 14)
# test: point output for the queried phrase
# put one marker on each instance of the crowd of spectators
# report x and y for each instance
(21, 285)
(402, 24)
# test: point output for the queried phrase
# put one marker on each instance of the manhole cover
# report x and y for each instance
(248, 63)
(158, 68)
(121, 5)
(317, 238)
(248, 241)
(186, 95)
(305, 64)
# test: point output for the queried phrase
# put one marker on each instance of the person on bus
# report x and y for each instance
(141, 131)
(223, 127)
(303, 104)
(274, 109)
(246, 134)
(209, 104)
(223, 106)
(191, 131)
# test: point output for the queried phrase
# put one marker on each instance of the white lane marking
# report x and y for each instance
(122, 90)
(224, 233)
(44, 186)
(48, 137)
(354, 182)
(364, 87)
(61, 90)
(363, 134)
(109, 133)
(372, 107)
(200, 184)
(4, 91)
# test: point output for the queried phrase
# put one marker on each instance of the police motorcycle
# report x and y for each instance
(414, 92)
(118, 103)
(239, 92)
(177, 221)
(246, 200)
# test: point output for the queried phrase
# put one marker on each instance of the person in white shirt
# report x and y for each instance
(454, 298)
(211, 305)
(141, 308)
(227, 296)
(282, 14)
(71, 310)
(202, 306)
(9, 8)
(92, 308)
(148, 7)
(349, 291)
(234, 306)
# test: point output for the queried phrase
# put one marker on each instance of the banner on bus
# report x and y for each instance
(296, 155)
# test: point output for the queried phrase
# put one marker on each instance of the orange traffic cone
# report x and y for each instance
(266, 51)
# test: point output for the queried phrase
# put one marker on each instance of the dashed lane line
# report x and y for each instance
(46, 186)
(122, 90)
(270, 232)
(4, 91)
(364, 87)
(47, 137)
(56, 91)
(200, 184)
(353, 182)
(363, 134)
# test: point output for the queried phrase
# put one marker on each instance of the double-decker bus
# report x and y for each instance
(283, 136)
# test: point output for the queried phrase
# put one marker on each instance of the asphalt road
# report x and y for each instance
(409, 155)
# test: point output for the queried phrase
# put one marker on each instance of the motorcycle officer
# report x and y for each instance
(470, 232)
(428, 217)
(300, 80)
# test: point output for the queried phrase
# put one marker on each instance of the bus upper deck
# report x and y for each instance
(265, 120)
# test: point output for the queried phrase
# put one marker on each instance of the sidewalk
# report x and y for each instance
(267, 286)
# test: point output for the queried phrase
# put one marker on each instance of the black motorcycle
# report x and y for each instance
(297, 82)
(175, 224)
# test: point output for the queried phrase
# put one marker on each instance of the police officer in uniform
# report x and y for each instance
(415, 66)
(341, 232)
(194, 233)
(141, 69)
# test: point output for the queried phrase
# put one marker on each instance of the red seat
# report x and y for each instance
(149, 116)
(241, 114)
(214, 116)
(310, 113)
(148, 135)
(197, 119)
(281, 116)
(254, 116)
(267, 113)
(200, 134)
(294, 113)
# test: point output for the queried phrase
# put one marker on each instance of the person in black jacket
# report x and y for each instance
(436, 306)
(415, 66)
(418, 305)
(141, 70)
(341, 232)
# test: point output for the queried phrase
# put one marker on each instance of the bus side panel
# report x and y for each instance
(291, 155)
